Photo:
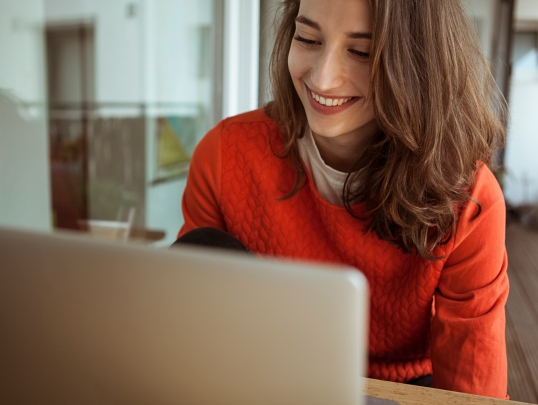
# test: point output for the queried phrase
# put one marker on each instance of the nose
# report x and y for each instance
(328, 71)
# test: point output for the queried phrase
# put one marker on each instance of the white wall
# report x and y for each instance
(526, 10)
(24, 167)
(149, 56)
(521, 161)
(177, 36)
(21, 49)
(118, 44)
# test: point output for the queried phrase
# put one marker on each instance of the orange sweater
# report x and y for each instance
(234, 184)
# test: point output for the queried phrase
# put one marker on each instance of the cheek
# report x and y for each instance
(362, 78)
(296, 63)
(292, 63)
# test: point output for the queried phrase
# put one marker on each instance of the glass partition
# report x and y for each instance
(105, 104)
(24, 166)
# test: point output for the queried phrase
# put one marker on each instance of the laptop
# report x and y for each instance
(90, 322)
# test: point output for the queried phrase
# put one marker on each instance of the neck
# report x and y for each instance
(343, 151)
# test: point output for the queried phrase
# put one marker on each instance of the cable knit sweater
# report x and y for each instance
(444, 317)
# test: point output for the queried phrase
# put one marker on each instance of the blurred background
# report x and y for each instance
(102, 104)
(103, 101)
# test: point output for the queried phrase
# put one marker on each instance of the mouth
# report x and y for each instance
(329, 105)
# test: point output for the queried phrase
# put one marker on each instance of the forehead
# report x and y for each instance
(339, 15)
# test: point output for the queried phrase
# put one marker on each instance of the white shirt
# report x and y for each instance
(328, 181)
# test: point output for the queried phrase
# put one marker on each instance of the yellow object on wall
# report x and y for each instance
(171, 150)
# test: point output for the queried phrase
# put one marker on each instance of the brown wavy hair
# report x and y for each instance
(439, 112)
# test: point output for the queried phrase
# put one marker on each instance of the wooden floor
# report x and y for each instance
(522, 313)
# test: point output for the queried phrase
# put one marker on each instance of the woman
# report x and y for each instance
(374, 153)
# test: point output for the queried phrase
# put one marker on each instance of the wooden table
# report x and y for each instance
(405, 394)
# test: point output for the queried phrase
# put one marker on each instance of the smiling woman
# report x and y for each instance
(329, 64)
(374, 153)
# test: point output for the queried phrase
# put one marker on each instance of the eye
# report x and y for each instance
(359, 54)
(304, 41)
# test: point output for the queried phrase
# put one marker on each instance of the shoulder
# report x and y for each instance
(247, 131)
(244, 126)
(253, 132)
(481, 222)
(486, 192)
(237, 124)
(486, 185)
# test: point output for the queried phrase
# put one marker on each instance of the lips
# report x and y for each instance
(329, 102)
(329, 105)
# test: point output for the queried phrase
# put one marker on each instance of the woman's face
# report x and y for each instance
(329, 65)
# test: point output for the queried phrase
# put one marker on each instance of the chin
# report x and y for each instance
(326, 133)
(328, 129)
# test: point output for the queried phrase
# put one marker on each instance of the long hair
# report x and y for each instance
(439, 112)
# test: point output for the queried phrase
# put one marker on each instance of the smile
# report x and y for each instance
(325, 105)
(329, 102)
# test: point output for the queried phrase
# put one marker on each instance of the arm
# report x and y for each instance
(201, 199)
(468, 340)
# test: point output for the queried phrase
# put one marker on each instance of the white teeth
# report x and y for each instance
(329, 102)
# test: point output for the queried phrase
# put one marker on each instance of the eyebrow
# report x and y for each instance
(353, 35)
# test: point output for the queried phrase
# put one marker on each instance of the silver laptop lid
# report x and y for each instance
(84, 321)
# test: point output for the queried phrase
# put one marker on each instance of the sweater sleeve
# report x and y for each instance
(201, 199)
(468, 327)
